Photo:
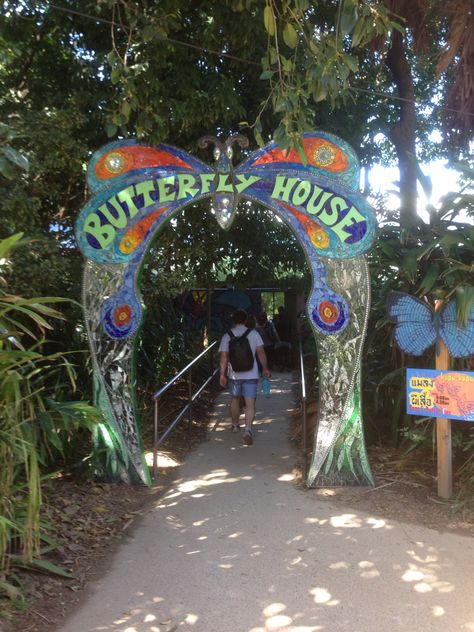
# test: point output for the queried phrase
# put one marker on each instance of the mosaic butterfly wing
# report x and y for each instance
(413, 319)
(459, 340)
(319, 197)
(135, 189)
(418, 326)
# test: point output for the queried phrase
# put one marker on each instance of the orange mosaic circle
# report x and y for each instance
(324, 155)
(129, 244)
(113, 163)
(319, 237)
(135, 235)
(122, 315)
(328, 312)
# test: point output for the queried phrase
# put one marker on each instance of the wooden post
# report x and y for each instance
(443, 433)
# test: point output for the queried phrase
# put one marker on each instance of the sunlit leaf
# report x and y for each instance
(290, 36)
(349, 16)
(429, 279)
(15, 157)
(464, 303)
(268, 20)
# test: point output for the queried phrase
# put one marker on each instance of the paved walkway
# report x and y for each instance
(234, 546)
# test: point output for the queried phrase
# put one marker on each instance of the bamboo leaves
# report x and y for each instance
(432, 260)
(464, 301)
(37, 420)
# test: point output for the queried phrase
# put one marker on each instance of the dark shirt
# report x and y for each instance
(282, 324)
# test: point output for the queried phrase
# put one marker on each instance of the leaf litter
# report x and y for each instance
(86, 520)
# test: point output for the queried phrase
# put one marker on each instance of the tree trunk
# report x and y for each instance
(403, 134)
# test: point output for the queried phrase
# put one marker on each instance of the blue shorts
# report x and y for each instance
(243, 388)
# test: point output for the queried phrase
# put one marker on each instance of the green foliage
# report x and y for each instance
(304, 48)
(11, 160)
(173, 71)
(309, 61)
(192, 251)
(38, 423)
(40, 566)
(432, 261)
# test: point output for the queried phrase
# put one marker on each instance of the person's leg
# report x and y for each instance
(249, 411)
(235, 390)
(235, 410)
(249, 391)
(249, 417)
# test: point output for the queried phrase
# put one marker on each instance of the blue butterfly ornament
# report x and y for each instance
(418, 326)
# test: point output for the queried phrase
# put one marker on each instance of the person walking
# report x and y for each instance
(270, 337)
(238, 349)
(282, 349)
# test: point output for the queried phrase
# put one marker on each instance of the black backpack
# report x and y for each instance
(240, 352)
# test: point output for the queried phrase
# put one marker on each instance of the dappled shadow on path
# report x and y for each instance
(234, 546)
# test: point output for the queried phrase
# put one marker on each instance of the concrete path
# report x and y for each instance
(234, 546)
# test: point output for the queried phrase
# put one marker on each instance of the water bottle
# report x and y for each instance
(266, 386)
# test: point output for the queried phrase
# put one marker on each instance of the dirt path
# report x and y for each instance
(234, 546)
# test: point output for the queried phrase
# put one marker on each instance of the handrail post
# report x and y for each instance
(155, 441)
(190, 396)
(209, 319)
(303, 406)
(211, 362)
(305, 446)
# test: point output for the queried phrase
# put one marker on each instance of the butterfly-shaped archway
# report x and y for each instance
(137, 189)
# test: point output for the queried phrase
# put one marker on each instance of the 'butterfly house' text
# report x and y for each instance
(117, 211)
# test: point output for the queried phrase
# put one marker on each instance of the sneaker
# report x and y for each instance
(235, 428)
(248, 437)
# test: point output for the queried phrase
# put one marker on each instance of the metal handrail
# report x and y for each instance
(183, 371)
(304, 419)
(188, 408)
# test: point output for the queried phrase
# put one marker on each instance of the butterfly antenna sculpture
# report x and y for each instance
(224, 205)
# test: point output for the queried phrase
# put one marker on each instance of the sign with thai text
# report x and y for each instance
(445, 394)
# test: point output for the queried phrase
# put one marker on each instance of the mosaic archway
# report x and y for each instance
(137, 189)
